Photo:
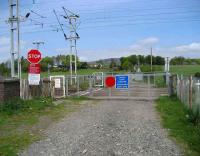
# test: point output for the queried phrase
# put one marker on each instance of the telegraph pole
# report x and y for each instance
(151, 58)
(167, 64)
(37, 43)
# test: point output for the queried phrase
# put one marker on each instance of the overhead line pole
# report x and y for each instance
(72, 19)
(151, 59)
(15, 19)
(12, 53)
(18, 42)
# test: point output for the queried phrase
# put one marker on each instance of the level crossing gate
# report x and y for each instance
(126, 85)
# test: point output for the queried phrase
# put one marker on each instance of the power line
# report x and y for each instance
(113, 19)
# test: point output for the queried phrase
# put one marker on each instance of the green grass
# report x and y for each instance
(79, 72)
(174, 118)
(175, 69)
(22, 125)
(185, 69)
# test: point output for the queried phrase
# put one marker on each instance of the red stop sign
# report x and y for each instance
(34, 56)
(110, 81)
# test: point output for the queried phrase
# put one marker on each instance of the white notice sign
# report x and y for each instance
(57, 83)
(34, 79)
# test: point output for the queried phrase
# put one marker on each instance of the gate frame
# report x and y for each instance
(64, 92)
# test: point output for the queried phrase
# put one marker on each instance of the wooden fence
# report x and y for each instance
(42, 90)
(187, 89)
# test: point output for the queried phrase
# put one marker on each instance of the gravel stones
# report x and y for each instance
(109, 128)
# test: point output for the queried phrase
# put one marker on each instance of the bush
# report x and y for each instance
(197, 74)
(193, 115)
(18, 105)
(84, 86)
(13, 106)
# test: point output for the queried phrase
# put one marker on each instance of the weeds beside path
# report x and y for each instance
(23, 122)
(176, 119)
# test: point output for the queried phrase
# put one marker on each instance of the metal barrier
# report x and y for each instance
(139, 85)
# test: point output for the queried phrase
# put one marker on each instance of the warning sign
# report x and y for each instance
(122, 82)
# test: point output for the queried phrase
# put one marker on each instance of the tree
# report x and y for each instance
(177, 60)
(24, 64)
(113, 64)
(159, 60)
(4, 71)
(83, 65)
(133, 59)
(126, 65)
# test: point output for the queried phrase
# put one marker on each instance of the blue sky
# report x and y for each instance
(110, 28)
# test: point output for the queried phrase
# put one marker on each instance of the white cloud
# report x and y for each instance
(142, 47)
(144, 43)
(193, 47)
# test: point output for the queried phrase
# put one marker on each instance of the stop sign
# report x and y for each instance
(34, 56)
(110, 81)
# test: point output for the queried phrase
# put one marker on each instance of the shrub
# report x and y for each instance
(84, 86)
(197, 74)
(13, 106)
(193, 115)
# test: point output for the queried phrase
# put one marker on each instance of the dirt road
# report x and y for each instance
(108, 128)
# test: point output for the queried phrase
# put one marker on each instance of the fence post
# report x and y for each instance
(67, 86)
(190, 92)
(181, 87)
(170, 85)
(148, 85)
(78, 85)
(90, 85)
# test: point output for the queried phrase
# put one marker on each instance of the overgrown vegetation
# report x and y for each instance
(19, 118)
(181, 123)
(194, 115)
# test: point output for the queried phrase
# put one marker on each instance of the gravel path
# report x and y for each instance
(108, 128)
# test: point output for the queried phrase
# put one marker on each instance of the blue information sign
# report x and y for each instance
(122, 82)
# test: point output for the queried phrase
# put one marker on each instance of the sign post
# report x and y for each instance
(110, 82)
(34, 70)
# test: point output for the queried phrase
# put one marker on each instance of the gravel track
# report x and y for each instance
(108, 128)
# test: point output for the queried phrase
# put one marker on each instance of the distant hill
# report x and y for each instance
(106, 61)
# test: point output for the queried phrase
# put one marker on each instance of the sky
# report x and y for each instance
(108, 28)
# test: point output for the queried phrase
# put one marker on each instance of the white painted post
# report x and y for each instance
(67, 87)
(78, 85)
(148, 85)
(90, 85)
(110, 91)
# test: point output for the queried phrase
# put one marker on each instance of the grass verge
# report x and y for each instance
(175, 119)
(23, 122)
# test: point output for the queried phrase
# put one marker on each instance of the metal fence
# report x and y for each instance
(140, 85)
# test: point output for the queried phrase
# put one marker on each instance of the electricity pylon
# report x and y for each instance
(73, 37)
